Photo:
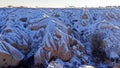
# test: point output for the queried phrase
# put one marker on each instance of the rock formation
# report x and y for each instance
(64, 38)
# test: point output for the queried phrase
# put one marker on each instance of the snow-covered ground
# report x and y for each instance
(62, 38)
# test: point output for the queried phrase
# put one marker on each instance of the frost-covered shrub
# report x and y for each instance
(98, 47)
(57, 15)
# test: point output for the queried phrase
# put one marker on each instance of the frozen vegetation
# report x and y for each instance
(60, 38)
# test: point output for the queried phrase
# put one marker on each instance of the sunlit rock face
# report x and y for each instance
(59, 38)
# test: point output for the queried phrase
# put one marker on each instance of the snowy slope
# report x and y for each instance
(64, 37)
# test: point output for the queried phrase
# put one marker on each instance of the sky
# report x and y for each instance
(60, 3)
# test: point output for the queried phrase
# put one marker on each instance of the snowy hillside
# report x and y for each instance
(63, 38)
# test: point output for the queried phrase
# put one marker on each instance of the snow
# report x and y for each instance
(65, 34)
(86, 66)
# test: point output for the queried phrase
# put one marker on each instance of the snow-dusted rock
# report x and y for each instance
(56, 43)
(75, 36)
(9, 56)
(53, 64)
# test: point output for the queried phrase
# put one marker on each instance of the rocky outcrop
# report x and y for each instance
(9, 55)
(57, 44)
